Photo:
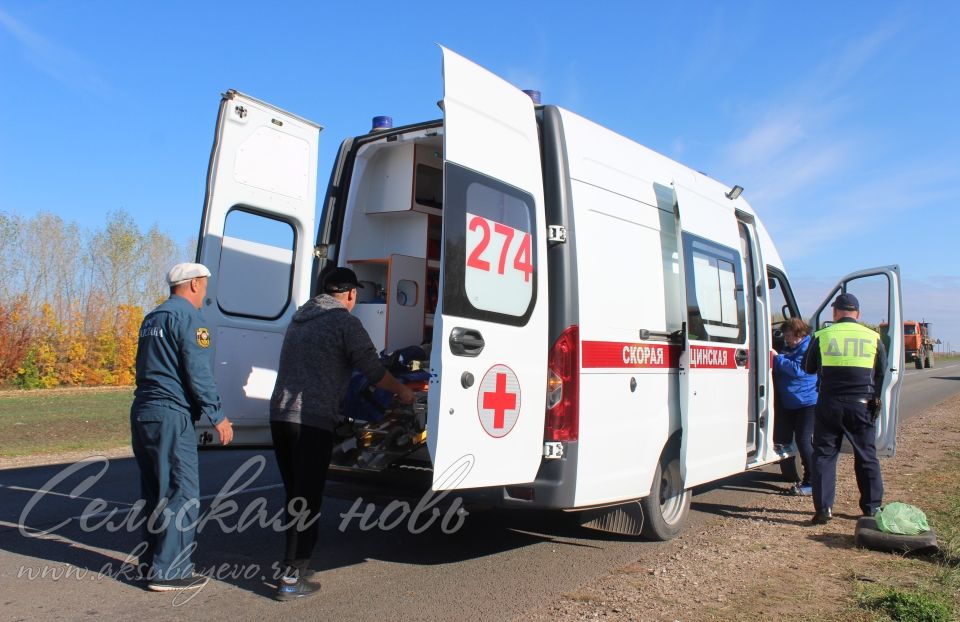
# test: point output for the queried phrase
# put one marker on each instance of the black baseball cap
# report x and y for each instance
(340, 280)
(846, 302)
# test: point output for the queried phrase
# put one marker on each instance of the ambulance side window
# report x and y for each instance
(256, 250)
(782, 304)
(489, 259)
(715, 306)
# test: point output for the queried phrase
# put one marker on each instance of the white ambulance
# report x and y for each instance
(600, 318)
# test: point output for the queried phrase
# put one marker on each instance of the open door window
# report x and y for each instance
(878, 290)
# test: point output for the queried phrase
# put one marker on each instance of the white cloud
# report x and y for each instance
(816, 176)
(61, 64)
(767, 140)
(798, 170)
(804, 118)
(677, 148)
(838, 71)
(872, 204)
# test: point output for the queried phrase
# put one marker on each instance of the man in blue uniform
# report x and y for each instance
(175, 387)
(851, 360)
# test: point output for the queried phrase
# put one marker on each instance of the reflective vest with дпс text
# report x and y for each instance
(847, 344)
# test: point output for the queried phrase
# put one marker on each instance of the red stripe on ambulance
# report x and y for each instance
(607, 354)
(709, 357)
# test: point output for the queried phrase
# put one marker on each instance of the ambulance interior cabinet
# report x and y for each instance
(427, 180)
(409, 177)
(391, 303)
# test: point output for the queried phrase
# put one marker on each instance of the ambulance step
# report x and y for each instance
(626, 519)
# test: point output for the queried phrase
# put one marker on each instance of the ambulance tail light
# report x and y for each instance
(562, 421)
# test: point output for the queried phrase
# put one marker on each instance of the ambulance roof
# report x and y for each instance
(599, 156)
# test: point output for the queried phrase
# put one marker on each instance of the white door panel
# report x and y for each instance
(714, 373)
(489, 356)
(623, 433)
(405, 308)
(257, 240)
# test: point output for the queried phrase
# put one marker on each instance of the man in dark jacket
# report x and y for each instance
(851, 360)
(175, 388)
(323, 344)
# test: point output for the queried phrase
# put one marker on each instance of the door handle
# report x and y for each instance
(466, 342)
(740, 357)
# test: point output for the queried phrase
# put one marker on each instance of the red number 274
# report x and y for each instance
(522, 259)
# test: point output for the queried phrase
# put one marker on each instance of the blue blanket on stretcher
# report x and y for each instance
(366, 402)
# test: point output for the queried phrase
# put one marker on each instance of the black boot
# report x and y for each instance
(822, 517)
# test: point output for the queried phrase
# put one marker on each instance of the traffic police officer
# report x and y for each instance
(851, 360)
(175, 387)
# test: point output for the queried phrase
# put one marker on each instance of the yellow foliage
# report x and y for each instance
(128, 329)
(99, 351)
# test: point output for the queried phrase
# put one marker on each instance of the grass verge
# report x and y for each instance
(909, 606)
(54, 421)
(924, 588)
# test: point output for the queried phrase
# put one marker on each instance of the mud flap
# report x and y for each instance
(626, 519)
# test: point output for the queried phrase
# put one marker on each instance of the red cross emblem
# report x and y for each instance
(499, 401)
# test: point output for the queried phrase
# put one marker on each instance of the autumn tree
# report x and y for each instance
(15, 336)
(71, 299)
(161, 253)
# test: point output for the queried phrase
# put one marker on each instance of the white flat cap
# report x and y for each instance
(186, 271)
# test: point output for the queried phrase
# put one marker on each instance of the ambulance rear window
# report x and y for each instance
(490, 262)
(257, 250)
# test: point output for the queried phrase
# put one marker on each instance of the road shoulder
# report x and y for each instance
(761, 560)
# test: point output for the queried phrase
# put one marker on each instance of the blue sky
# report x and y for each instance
(838, 118)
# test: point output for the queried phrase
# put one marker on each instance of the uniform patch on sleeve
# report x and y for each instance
(203, 337)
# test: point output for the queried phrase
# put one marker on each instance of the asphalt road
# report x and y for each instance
(488, 565)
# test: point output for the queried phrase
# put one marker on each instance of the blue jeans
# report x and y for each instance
(165, 446)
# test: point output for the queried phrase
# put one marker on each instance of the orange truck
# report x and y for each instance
(917, 343)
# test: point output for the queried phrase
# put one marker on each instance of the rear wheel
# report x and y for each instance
(929, 362)
(665, 509)
(919, 362)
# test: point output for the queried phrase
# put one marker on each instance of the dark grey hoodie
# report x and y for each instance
(321, 348)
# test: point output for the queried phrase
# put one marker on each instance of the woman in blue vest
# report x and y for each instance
(797, 394)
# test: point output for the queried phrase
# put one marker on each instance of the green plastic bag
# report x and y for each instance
(902, 518)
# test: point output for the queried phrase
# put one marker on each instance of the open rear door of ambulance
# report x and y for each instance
(714, 365)
(489, 356)
(256, 237)
(878, 291)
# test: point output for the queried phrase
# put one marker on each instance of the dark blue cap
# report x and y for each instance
(534, 95)
(846, 302)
